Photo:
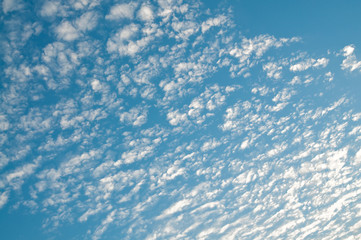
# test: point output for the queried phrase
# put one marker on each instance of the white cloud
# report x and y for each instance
(212, 22)
(67, 32)
(4, 160)
(4, 123)
(88, 213)
(245, 144)
(176, 207)
(173, 172)
(11, 5)
(336, 159)
(184, 29)
(176, 118)
(145, 13)
(284, 95)
(16, 178)
(350, 62)
(135, 154)
(136, 116)
(104, 225)
(87, 21)
(96, 85)
(304, 65)
(52, 8)
(4, 197)
(72, 166)
(125, 43)
(120, 11)
(209, 145)
(258, 46)
(273, 70)
(292, 168)
(71, 31)
(357, 158)
(348, 50)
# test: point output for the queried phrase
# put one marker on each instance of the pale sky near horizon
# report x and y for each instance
(175, 119)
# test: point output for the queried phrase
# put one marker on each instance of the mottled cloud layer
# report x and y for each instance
(160, 120)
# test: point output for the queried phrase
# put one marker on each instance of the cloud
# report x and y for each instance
(145, 13)
(52, 8)
(70, 31)
(87, 21)
(11, 5)
(209, 145)
(273, 70)
(258, 46)
(4, 197)
(136, 116)
(96, 85)
(4, 123)
(145, 127)
(124, 43)
(212, 22)
(176, 207)
(176, 118)
(67, 31)
(121, 11)
(350, 62)
(304, 65)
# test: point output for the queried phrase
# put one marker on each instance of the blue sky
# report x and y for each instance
(176, 119)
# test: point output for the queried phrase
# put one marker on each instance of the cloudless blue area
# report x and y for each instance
(323, 25)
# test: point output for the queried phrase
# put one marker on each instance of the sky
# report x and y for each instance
(175, 119)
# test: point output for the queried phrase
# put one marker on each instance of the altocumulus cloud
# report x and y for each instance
(162, 120)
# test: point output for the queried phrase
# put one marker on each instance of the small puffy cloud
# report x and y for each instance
(16, 177)
(245, 144)
(88, 213)
(195, 107)
(302, 66)
(71, 31)
(11, 5)
(212, 22)
(272, 70)
(135, 154)
(66, 31)
(258, 46)
(3, 199)
(232, 112)
(3, 160)
(263, 91)
(96, 86)
(184, 29)
(87, 21)
(51, 8)
(348, 50)
(209, 145)
(4, 123)
(350, 62)
(124, 43)
(277, 107)
(357, 158)
(176, 118)
(120, 11)
(284, 95)
(136, 116)
(145, 13)
(321, 62)
(337, 159)
(329, 76)
(176, 207)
